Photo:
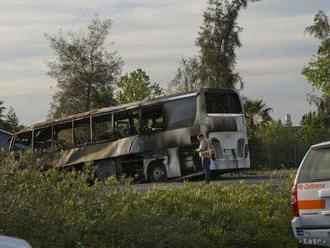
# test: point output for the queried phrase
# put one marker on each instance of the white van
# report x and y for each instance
(310, 197)
(8, 242)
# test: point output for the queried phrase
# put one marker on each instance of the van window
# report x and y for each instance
(316, 166)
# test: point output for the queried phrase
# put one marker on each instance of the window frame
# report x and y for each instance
(92, 128)
(161, 105)
(51, 137)
(74, 131)
(72, 145)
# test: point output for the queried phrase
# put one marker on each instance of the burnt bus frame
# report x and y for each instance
(194, 129)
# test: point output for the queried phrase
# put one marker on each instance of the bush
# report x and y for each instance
(52, 209)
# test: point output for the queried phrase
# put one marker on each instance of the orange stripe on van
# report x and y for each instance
(311, 204)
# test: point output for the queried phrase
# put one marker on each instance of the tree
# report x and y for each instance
(320, 29)
(317, 72)
(218, 38)
(217, 41)
(84, 69)
(257, 112)
(279, 145)
(188, 76)
(9, 121)
(313, 129)
(12, 121)
(136, 86)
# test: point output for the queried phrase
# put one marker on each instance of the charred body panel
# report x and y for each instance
(161, 146)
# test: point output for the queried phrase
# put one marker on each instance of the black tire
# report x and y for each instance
(157, 173)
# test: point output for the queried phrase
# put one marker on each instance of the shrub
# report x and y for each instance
(52, 209)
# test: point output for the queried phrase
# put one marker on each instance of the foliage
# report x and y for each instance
(52, 209)
(217, 40)
(317, 72)
(84, 69)
(9, 121)
(257, 112)
(313, 129)
(277, 133)
(282, 144)
(12, 120)
(320, 29)
(188, 76)
(136, 86)
(275, 145)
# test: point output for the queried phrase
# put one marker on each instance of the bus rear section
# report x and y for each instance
(227, 130)
(310, 198)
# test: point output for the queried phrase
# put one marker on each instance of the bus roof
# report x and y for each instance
(122, 107)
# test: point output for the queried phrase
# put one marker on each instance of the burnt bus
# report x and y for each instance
(149, 140)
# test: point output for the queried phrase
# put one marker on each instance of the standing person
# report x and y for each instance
(204, 153)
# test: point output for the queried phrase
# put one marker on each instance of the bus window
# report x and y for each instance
(152, 119)
(121, 124)
(43, 139)
(222, 102)
(134, 122)
(63, 135)
(102, 128)
(180, 113)
(82, 133)
(126, 123)
(23, 141)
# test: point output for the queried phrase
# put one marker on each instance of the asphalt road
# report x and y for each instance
(226, 179)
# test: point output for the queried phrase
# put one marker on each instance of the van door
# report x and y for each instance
(313, 189)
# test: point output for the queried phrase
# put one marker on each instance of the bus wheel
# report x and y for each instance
(157, 172)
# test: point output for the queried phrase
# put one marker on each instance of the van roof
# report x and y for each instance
(321, 145)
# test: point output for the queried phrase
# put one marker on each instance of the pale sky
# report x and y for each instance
(154, 35)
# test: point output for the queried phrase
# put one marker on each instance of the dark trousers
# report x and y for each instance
(206, 162)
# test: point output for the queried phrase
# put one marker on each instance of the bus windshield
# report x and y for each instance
(223, 103)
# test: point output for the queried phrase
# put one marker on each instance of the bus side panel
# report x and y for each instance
(150, 146)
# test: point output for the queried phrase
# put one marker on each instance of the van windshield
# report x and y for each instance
(316, 166)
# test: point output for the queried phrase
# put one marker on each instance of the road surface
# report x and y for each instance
(226, 179)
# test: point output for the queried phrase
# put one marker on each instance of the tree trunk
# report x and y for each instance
(88, 100)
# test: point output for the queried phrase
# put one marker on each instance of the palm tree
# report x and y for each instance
(257, 112)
